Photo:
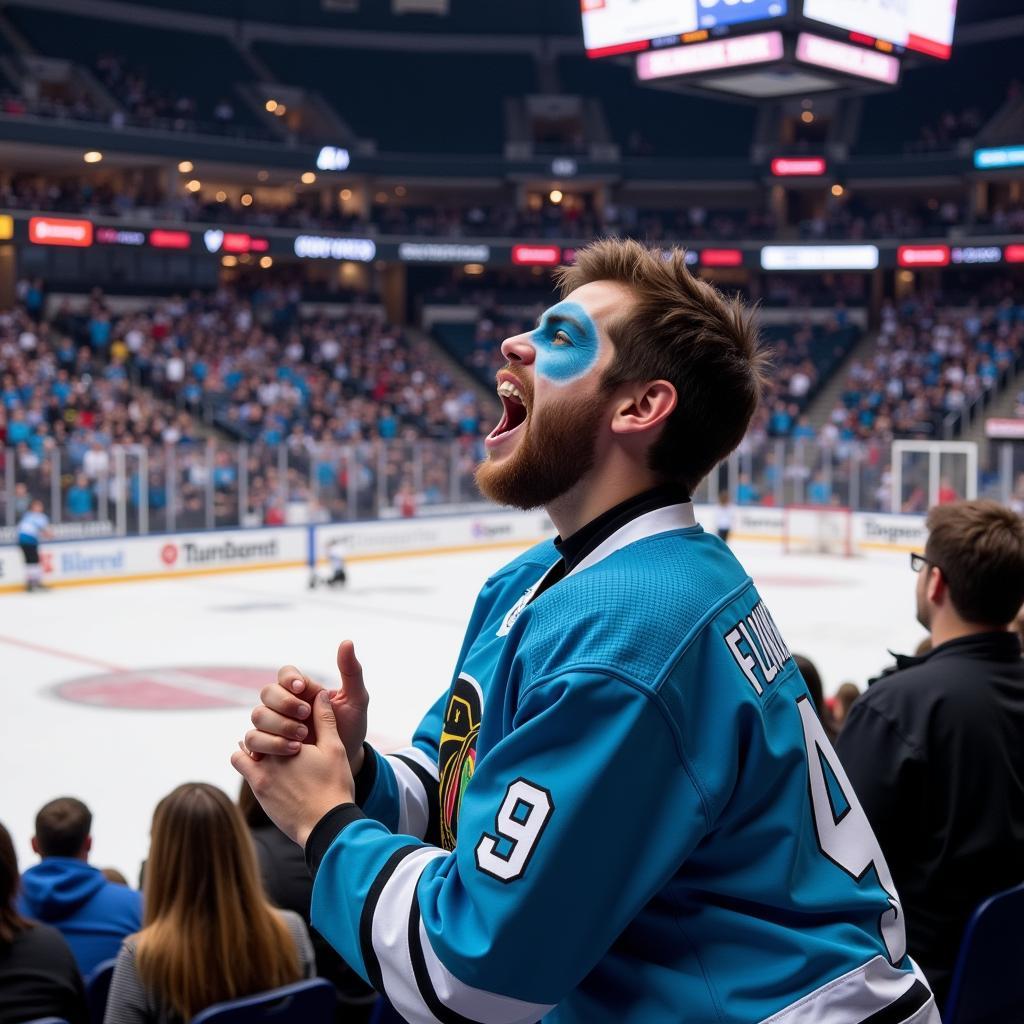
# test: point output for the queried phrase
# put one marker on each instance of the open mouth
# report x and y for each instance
(514, 413)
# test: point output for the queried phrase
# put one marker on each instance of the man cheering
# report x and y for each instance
(624, 807)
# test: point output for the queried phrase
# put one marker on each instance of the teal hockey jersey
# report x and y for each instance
(624, 809)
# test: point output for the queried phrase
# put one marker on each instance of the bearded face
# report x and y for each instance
(553, 404)
(554, 448)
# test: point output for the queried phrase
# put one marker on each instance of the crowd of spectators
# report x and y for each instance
(144, 103)
(247, 411)
(930, 363)
(164, 376)
(947, 130)
(64, 920)
(856, 218)
(137, 102)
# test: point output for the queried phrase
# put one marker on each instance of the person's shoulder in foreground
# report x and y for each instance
(39, 977)
(934, 748)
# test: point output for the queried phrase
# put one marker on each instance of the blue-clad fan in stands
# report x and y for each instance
(64, 890)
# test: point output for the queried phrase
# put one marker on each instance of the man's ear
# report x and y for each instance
(936, 587)
(644, 406)
(35, 846)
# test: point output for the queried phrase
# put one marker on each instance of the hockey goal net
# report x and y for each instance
(817, 530)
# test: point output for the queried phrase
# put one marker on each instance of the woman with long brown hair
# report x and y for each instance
(209, 933)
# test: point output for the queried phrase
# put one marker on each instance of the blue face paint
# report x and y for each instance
(566, 342)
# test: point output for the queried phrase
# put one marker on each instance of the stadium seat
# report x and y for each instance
(385, 1013)
(988, 984)
(305, 1002)
(97, 985)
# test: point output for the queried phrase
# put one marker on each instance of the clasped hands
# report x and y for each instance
(306, 745)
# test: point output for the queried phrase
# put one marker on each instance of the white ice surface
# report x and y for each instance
(407, 618)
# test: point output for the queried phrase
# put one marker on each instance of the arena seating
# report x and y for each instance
(950, 102)
(153, 98)
(431, 117)
(930, 363)
(172, 373)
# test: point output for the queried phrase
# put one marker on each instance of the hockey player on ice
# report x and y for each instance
(336, 574)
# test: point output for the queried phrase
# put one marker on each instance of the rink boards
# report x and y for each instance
(81, 562)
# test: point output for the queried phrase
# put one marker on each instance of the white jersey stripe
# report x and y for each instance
(413, 803)
(475, 1003)
(661, 520)
(422, 758)
(856, 996)
(390, 937)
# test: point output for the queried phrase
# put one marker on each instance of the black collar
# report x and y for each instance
(575, 548)
(997, 645)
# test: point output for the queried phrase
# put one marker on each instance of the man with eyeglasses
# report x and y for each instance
(935, 750)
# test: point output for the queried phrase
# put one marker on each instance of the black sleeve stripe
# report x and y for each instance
(373, 970)
(419, 969)
(367, 777)
(433, 790)
(326, 830)
(902, 1009)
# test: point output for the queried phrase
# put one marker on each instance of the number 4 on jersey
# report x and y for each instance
(844, 833)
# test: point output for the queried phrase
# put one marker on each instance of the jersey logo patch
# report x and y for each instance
(516, 610)
(457, 754)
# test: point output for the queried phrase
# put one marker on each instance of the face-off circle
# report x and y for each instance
(175, 688)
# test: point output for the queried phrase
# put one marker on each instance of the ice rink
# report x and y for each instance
(78, 663)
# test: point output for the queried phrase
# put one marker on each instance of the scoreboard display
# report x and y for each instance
(922, 25)
(624, 26)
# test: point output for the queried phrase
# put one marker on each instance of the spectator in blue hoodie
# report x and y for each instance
(64, 890)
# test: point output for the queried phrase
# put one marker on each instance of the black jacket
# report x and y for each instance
(289, 886)
(39, 978)
(935, 752)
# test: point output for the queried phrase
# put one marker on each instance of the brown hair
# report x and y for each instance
(62, 827)
(683, 330)
(209, 934)
(979, 548)
(11, 922)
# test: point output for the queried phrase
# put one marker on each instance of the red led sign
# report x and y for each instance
(923, 255)
(60, 231)
(799, 166)
(161, 239)
(721, 258)
(536, 255)
(237, 241)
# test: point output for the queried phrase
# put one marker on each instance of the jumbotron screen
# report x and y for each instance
(922, 25)
(623, 26)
